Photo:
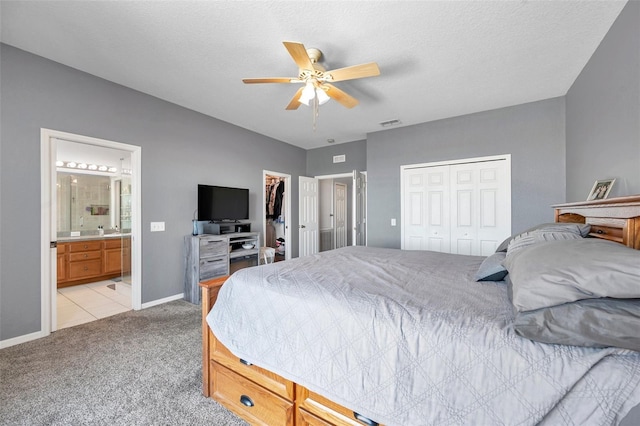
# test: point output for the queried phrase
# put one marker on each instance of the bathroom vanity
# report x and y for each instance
(82, 260)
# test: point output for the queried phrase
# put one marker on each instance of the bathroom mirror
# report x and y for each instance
(87, 201)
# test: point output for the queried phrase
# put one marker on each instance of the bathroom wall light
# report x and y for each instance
(86, 166)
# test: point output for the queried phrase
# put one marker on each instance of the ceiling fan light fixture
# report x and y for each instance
(310, 92)
(323, 98)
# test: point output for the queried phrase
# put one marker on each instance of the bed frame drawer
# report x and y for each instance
(248, 400)
(327, 411)
(277, 384)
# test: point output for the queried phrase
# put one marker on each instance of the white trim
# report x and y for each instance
(459, 161)
(48, 291)
(162, 301)
(287, 208)
(336, 176)
(22, 339)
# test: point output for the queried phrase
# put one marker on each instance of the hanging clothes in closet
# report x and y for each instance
(274, 199)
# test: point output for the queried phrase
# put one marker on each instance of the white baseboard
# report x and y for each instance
(22, 339)
(39, 334)
(161, 301)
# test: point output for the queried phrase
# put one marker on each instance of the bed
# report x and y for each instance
(365, 335)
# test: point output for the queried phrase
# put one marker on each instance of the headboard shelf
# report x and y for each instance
(615, 219)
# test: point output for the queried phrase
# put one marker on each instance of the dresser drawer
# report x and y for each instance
(213, 246)
(88, 255)
(271, 381)
(214, 267)
(252, 402)
(85, 269)
(85, 246)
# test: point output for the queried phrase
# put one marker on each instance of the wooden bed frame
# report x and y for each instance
(263, 398)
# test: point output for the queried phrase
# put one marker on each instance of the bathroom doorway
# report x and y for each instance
(90, 228)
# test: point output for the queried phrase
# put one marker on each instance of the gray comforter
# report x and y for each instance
(408, 338)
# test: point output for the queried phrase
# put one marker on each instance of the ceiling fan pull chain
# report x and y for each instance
(316, 112)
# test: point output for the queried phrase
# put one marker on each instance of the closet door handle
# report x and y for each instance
(302, 226)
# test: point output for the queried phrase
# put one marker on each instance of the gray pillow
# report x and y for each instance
(538, 236)
(578, 228)
(591, 322)
(492, 269)
(558, 272)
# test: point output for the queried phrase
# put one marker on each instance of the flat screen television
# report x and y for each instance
(220, 203)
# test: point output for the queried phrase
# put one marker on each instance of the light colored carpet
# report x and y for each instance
(136, 368)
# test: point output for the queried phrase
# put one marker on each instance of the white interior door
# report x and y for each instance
(359, 208)
(426, 224)
(308, 216)
(479, 219)
(463, 207)
(340, 214)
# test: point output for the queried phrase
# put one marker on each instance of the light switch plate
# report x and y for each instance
(393, 222)
(157, 226)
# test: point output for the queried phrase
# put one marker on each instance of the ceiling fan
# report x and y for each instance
(317, 81)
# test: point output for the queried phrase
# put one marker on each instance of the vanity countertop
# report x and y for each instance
(93, 237)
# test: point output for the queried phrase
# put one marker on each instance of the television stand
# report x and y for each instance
(220, 228)
(210, 256)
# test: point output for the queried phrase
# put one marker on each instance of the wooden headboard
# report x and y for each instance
(614, 219)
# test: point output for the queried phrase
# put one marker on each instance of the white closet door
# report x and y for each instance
(462, 208)
(480, 212)
(426, 222)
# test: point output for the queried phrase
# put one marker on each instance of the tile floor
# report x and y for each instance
(88, 302)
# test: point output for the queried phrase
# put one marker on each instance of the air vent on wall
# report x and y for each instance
(390, 123)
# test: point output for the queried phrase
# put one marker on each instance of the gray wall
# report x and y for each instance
(180, 148)
(603, 113)
(320, 160)
(532, 133)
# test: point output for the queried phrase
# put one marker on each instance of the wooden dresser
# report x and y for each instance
(612, 219)
(257, 395)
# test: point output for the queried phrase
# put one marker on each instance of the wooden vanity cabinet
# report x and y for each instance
(112, 256)
(84, 259)
(81, 262)
(62, 262)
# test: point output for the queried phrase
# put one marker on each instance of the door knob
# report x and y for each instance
(302, 226)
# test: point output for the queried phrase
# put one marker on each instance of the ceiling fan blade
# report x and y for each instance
(299, 54)
(340, 96)
(295, 101)
(355, 71)
(269, 80)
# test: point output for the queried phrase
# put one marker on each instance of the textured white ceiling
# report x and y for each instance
(437, 59)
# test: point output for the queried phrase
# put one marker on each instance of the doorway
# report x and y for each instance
(275, 213)
(88, 215)
(318, 218)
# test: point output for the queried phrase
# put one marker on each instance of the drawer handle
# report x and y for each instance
(599, 231)
(86, 268)
(86, 255)
(245, 400)
(215, 260)
(367, 421)
(242, 361)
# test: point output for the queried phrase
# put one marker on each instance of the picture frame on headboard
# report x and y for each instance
(601, 189)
